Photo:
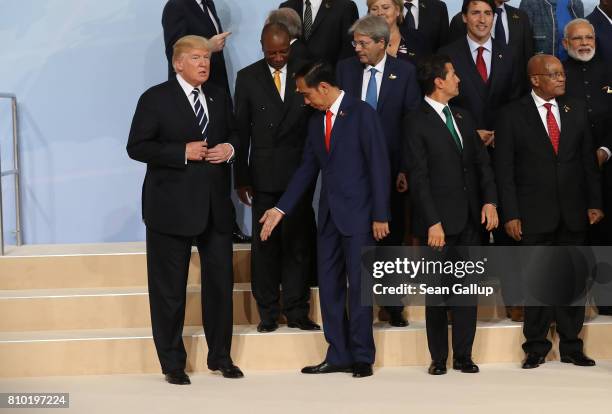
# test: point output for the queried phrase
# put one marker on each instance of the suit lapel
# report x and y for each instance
(185, 109)
(292, 99)
(387, 83)
(213, 114)
(566, 115)
(441, 128)
(267, 81)
(536, 125)
(340, 123)
(324, 11)
(472, 72)
(514, 22)
(497, 59)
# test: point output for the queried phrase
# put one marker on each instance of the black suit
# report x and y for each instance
(433, 25)
(550, 193)
(520, 42)
(329, 39)
(184, 17)
(275, 131)
(299, 52)
(181, 201)
(483, 100)
(448, 186)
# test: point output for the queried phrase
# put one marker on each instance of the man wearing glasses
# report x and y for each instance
(549, 192)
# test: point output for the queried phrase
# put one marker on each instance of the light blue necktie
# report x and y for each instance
(371, 92)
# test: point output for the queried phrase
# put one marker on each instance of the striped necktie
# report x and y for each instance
(307, 19)
(200, 114)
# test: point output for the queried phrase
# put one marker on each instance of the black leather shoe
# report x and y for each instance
(578, 358)
(267, 327)
(362, 369)
(465, 365)
(238, 236)
(532, 361)
(397, 320)
(325, 368)
(304, 324)
(437, 368)
(177, 378)
(228, 371)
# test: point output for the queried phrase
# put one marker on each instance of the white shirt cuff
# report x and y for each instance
(233, 152)
(279, 210)
(607, 152)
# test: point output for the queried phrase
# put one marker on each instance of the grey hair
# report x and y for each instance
(372, 26)
(289, 18)
(575, 22)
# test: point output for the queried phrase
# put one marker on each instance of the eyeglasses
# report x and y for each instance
(553, 76)
(361, 43)
(590, 38)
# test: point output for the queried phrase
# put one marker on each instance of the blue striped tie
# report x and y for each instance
(200, 114)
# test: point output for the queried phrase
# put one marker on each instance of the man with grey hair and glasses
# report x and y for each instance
(389, 85)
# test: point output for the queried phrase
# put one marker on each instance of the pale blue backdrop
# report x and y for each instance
(78, 68)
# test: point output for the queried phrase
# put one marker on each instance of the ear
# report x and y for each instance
(463, 18)
(439, 83)
(565, 43)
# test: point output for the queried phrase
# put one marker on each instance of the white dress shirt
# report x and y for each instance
(283, 79)
(188, 89)
(315, 5)
(380, 69)
(415, 12)
(543, 111)
(439, 108)
(486, 53)
(504, 17)
(212, 16)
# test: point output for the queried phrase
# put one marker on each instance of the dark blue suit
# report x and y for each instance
(603, 32)
(354, 193)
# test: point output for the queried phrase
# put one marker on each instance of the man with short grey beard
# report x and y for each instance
(590, 78)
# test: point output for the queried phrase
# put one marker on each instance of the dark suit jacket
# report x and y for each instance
(399, 94)
(447, 185)
(177, 198)
(536, 185)
(329, 39)
(274, 130)
(603, 31)
(520, 42)
(184, 17)
(482, 100)
(433, 25)
(354, 174)
(299, 52)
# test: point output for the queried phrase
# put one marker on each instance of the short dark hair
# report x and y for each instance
(275, 28)
(430, 68)
(466, 3)
(316, 72)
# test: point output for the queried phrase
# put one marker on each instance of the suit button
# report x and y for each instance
(583, 69)
(586, 82)
(263, 108)
(588, 96)
(271, 126)
(464, 188)
(465, 170)
(590, 110)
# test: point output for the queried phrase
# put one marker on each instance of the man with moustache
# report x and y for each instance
(550, 192)
(454, 197)
(271, 119)
(183, 130)
(484, 66)
(346, 144)
(389, 86)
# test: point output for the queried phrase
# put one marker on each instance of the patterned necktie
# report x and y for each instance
(500, 33)
(328, 129)
(371, 92)
(552, 127)
(409, 16)
(307, 19)
(451, 127)
(481, 66)
(200, 114)
(277, 80)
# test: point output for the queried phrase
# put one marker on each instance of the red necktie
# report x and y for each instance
(328, 128)
(553, 127)
(480, 65)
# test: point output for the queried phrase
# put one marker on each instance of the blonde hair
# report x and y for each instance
(398, 3)
(187, 43)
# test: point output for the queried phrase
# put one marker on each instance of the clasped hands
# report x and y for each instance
(199, 151)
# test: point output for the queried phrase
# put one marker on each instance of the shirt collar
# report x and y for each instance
(335, 108)
(380, 66)
(503, 7)
(540, 102)
(437, 106)
(414, 2)
(186, 86)
(282, 70)
(488, 45)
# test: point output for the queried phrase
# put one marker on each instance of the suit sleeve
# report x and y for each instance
(443, 30)
(420, 188)
(243, 123)
(230, 124)
(143, 142)
(456, 29)
(591, 170)
(504, 167)
(175, 27)
(485, 171)
(302, 179)
(350, 16)
(375, 149)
